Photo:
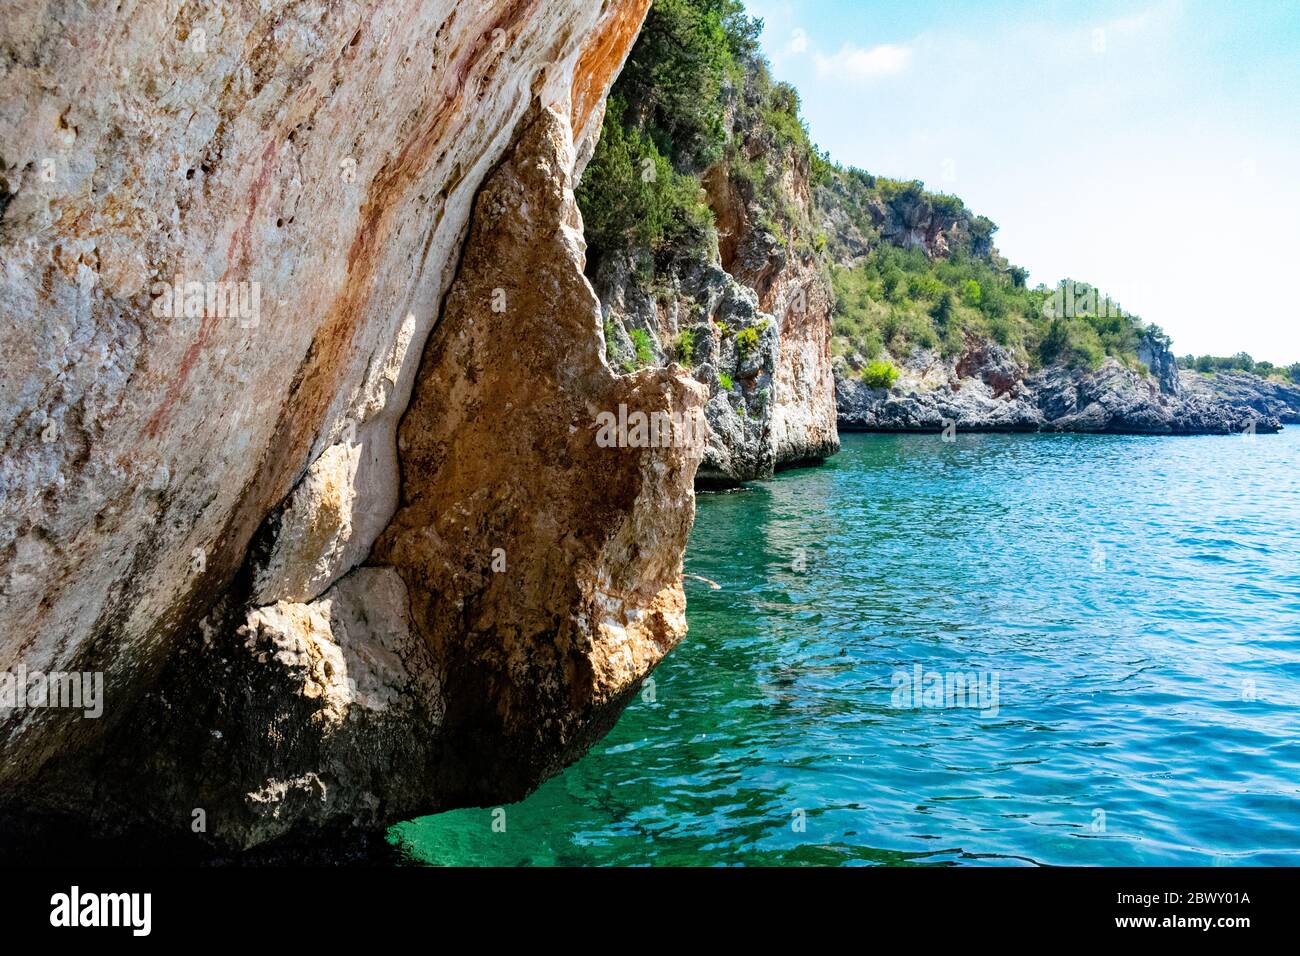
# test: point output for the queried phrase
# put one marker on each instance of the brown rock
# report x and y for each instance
(545, 570)
(186, 501)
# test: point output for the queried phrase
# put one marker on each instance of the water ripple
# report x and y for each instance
(1138, 600)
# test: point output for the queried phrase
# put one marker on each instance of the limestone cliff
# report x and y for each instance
(986, 390)
(743, 298)
(934, 330)
(226, 236)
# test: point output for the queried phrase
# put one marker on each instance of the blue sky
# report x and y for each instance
(1152, 148)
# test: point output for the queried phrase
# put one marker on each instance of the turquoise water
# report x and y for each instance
(1137, 600)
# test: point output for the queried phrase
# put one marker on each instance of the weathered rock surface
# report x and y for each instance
(985, 389)
(1271, 399)
(700, 298)
(236, 467)
(795, 290)
(758, 315)
(545, 569)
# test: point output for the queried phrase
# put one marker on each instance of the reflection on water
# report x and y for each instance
(1138, 600)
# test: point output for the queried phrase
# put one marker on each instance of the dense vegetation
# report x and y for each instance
(1241, 362)
(899, 299)
(696, 91)
(664, 125)
(694, 77)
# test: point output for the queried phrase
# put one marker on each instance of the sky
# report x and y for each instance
(1151, 148)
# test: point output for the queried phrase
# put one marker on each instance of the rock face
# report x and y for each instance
(717, 312)
(225, 238)
(776, 405)
(985, 389)
(544, 565)
(747, 309)
(1271, 399)
(794, 288)
(1118, 399)
(1153, 352)
(857, 213)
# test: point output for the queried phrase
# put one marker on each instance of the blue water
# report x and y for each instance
(1136, 598)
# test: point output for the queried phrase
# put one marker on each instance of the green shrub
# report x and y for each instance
(747, 339)
(641, 341)
(675, 76)
(632, 199)
(725, 381)
(1071, 342)
(944, 312)
(684, 346)
(666, 122)
(925, 286)
(880, 374)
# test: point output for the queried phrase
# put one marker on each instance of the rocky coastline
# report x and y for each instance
(987, 390)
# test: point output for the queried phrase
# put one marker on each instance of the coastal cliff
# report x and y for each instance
(935, 330)
(331, 568)
(986, 389)
(316, 320)
(703, 245)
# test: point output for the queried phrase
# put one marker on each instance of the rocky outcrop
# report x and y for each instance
(544, 560)
(1120, 400)
(857, 211)
(793, 287)
(749, 315)
(1153, 352)
(1268, 397)
(804, 421)
(986, 389)
(766, 362)
(226, 236)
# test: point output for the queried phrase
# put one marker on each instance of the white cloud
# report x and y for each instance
(798, 43)
(855, 63)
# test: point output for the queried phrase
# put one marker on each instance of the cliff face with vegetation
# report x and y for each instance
(310, 360)
(724, 241)
(699, 210)
(302, 388)
(933, 329)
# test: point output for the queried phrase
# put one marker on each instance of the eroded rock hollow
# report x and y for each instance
(300, 454)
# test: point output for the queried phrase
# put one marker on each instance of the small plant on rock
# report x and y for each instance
(684, 346)
(880, 374)
(645, 353)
